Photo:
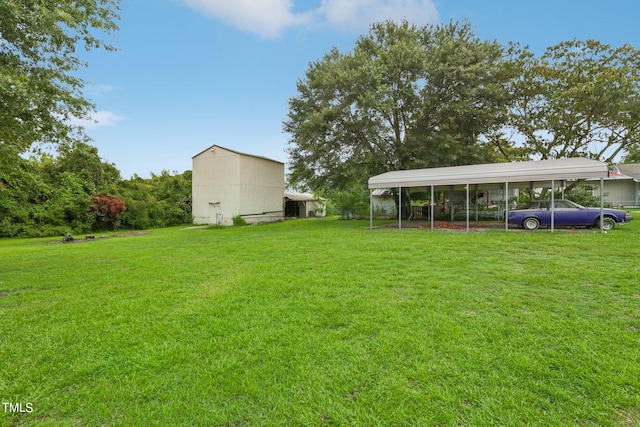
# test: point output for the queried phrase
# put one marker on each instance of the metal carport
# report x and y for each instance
(542, 173)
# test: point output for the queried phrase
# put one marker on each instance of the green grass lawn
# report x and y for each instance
(322, 322)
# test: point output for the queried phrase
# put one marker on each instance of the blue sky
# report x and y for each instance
(193, 73)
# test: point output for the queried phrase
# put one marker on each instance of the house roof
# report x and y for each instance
(624, 172)
(214, 146)
(630, 169)
(514, 172)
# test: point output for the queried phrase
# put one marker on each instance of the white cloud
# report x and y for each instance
(359, 14)
(268, 18)
(98, 90)
(264, 17)
(97, 119)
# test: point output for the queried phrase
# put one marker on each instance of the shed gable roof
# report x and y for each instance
(302, 197)
(214, 146)
(514, 172)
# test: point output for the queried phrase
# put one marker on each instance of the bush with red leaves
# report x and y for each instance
(107, 211)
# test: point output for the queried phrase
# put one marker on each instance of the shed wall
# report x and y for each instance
(261, 190)
(215, 185)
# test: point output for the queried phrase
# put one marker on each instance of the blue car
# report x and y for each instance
(567, 214)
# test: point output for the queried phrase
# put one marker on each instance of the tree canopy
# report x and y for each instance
(415, 97)
(49, 194)
(579, 99)
(632, 153)
(76, 191)
(405, 97)
(39, 91)
(73, 190)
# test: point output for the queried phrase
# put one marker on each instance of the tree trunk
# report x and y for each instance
(405, 209)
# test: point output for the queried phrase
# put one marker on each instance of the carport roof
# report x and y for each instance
(514, 172)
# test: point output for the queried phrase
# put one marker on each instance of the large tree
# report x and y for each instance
(405, 97)
(578, 99)
(39, 88)
(632, 153)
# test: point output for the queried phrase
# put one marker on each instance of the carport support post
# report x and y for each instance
(399, 208)
(432, 207)
(475, 201)
(467, 207)
(506, 207)
(370, 209)
(450, 203)
(601, 205)
(553, 204)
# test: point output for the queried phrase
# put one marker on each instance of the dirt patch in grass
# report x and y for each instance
(131, 233)
(631, 417)
(6, 293)
(93, 238)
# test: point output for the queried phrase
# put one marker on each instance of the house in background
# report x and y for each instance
(227, 183)
(622, 188)
(303, 205)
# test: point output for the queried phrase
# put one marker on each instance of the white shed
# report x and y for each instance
(227, 183)
(303, 205)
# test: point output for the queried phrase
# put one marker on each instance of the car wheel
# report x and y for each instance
(531, 223)
(607, 224)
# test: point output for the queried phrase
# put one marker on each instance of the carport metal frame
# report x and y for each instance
(531, 174)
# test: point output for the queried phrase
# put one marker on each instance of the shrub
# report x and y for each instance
(239, 221)
(108, 211)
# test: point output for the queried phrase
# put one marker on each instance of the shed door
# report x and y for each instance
(215, 213)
